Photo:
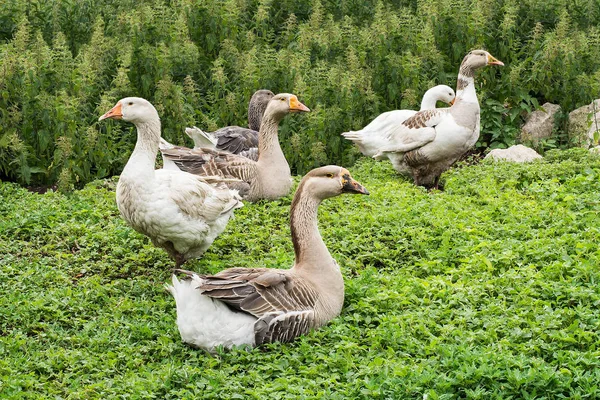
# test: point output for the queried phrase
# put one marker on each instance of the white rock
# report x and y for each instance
(540, 123)
(593, 133)
(582, 123)
(518, 153)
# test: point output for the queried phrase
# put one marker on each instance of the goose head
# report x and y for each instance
(132, 109)
(256, 108)
(283, 103)
(443, 93)
(479, 58)
(260, 99)
(330, 181)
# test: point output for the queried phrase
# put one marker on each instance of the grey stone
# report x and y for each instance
(518, 153)
(582, 124)
(540, 123)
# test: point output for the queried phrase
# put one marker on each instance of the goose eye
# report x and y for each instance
(282, 99)
(329, 175)
(130, 103)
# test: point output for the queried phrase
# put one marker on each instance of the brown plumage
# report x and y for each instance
(420, 119)
(262, 305)
(267, 178)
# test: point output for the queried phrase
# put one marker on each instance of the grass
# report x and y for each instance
(488, 290)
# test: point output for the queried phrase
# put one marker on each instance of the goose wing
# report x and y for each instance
(214, 163)
(414, 132)
(235, 139)
(283, 303)
(195, 197)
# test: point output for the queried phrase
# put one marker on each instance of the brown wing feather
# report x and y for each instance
(423, 119)
(235, 139)
(209, 162)
(259, 291)
(283, 327)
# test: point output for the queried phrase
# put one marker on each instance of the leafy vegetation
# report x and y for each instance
(64, 63)
(488, 290)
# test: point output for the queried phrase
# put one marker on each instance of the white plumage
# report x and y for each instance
(430, 141)
(377, 134)
(208, 323)
(178, 211)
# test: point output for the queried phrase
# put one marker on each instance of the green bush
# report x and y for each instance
(64, 63)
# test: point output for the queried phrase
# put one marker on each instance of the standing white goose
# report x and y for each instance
(178, 211)
(375, 136)
(430, 141)
(269, 177)
(252, 306)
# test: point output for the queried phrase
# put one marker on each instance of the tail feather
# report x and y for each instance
(354, 135)
(164, 145)
(167, 163)
(201, 138)
(207, 323)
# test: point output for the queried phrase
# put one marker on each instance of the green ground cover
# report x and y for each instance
(487, 290)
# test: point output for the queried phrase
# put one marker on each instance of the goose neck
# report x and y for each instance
(267, 135)
(254, 117)
(142, 160)
(309, 247)
(270, 154)
(429, 101)
(465, 85)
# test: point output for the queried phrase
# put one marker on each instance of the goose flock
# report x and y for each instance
(185, 205)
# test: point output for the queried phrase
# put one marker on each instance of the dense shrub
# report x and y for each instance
(63, 63)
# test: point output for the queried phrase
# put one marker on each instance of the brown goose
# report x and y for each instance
(429, 142)
(268, 178)
(252, 306)
(235, 139)
(178, 211)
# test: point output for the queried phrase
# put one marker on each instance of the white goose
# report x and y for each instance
(178, 211)
(374, 136)
(252, 306)
(429, 142)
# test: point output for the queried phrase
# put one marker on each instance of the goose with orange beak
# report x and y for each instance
(255, 306)
(180, 212)
(267, 178)
(429, 142)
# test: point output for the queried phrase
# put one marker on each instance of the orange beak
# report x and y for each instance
(296, 106)
(494, 61)
(114, 113)
(452, 101)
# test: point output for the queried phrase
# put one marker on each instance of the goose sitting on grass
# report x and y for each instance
(374, 136)
(430, 141)
(180, 212)
(252, 306)
(268, 178)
